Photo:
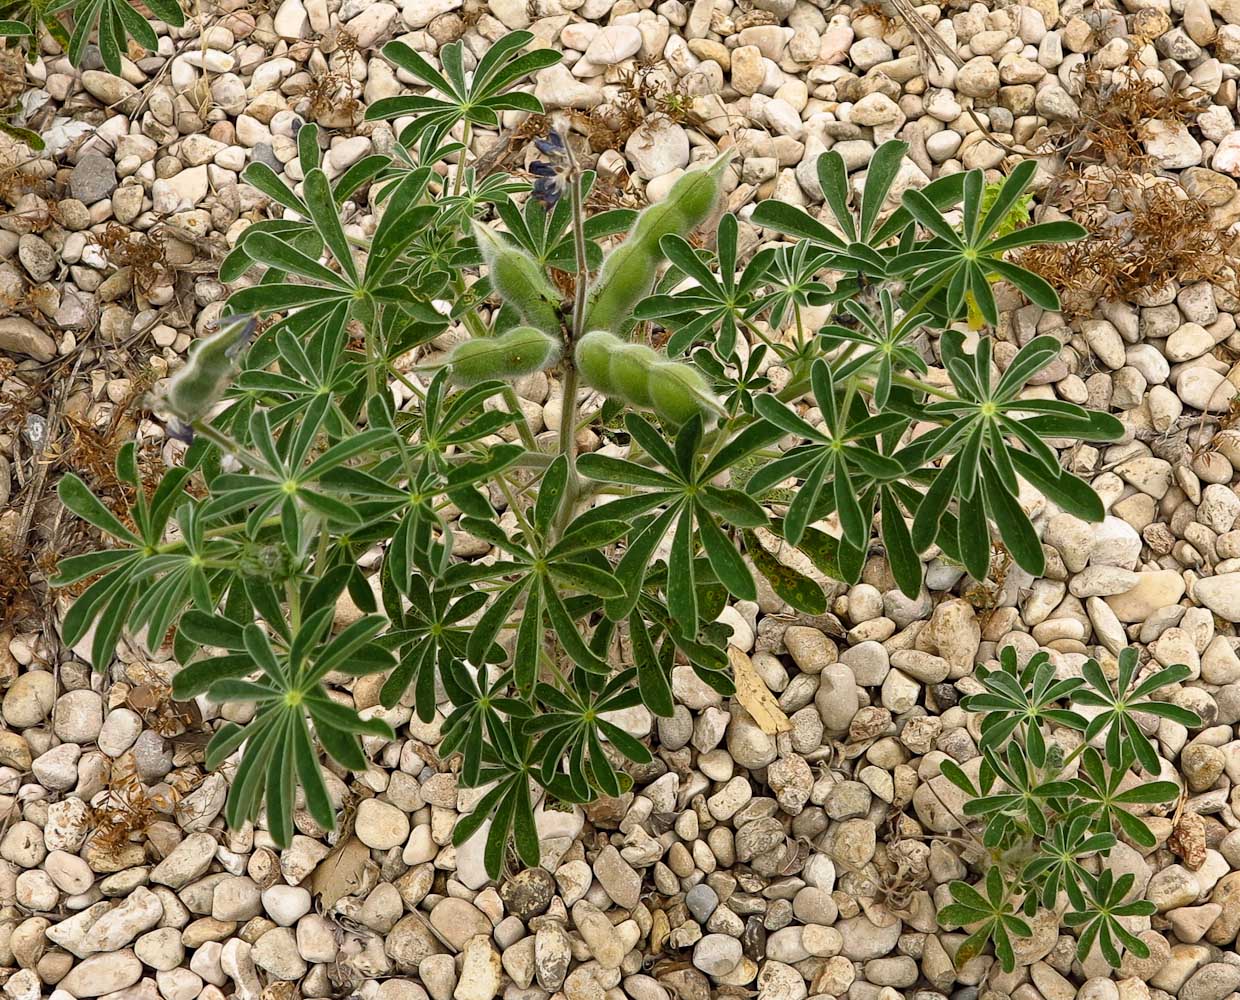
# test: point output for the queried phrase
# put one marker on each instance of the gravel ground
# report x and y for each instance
(802, 853)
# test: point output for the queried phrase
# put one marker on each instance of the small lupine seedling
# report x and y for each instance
(306, 480)
(1047, 815)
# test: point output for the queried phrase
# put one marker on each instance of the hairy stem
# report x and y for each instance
(293, 593)
(230, 447)
(911, 312)
(568, 405)
(458, 179)
(920, 386)
(471, 319)
(568, 448)
(523, 426)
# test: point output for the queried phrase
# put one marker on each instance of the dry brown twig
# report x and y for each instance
(127, 811)
(142, 252)
(1165, 235)
(334, 94)
(1116, 109)
(646, 97)
(151, 697)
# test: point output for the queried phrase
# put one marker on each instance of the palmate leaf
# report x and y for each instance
(431, 639)
(484, 721)
(1025, 796)
(477, 194)
(793, 280)
(1099, 918)
(312, 362)
(991, 432)
(508, 806)
(146, 585)
(1018, 701)
(293, 480)
(542, 572)
(690, 508)
(736, 385)
(330, 296)
(1059, 864)
(715, 305)
(957, 261)
(839, 466)
(1100, 791)
(445, 423)
(116, 20)
(1118, 704)
(477, 101)
(888, 353)
(993, 915)
(286, 686)
(571, 730)
(861, 240)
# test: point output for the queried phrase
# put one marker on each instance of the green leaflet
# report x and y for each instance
(796, 588)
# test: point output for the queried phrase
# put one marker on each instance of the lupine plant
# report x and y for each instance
(111, 22)
(1055, 790)
(732, 422)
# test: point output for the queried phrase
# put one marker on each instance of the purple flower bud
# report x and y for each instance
(553, 145)
(179, 431)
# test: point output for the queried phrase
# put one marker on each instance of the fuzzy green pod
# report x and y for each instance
(201, 382)
(678, 392)
(593, 357)
(625, 279)
(687, 205)
(628, 274)
(637, 375)
(630, 372)
(519, 280)
(518, 352)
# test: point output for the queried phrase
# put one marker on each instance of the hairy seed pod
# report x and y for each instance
(630, 372)
(593, 356)
(687, 205)
(637, 375)
(201, 382)
(625, 279)
(518, 352)
(519, 281)
(678, 392)
(628, 274)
